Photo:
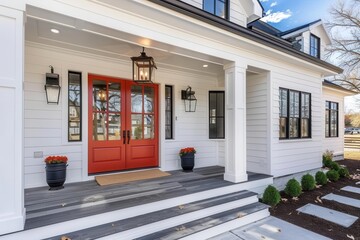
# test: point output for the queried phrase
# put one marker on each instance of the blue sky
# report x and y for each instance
(287, 14)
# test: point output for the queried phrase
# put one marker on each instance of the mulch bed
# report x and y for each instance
(287, 210)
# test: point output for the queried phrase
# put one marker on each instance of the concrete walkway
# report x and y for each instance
(270, 228)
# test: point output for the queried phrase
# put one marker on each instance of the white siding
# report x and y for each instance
(46, 125)
(236, 14)
(257, 123)
(195, 3)
(335, 144)
(296, 155)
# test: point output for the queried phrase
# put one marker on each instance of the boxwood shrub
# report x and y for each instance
(343, 172)
(321, 178)
(271, 196)
(307, 182)
(334, 166)
(293, 188)
(333, 175)
(327, 162)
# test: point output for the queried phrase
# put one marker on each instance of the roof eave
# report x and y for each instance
(216, 21)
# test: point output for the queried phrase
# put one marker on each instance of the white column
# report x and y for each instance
(235, 146)
(12, 212)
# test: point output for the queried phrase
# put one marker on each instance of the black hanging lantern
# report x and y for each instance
(190, 100)
(52, 87)
(143, 68)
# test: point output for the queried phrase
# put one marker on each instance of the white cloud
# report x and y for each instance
(276, 17)
(273, 4)
(264, 0)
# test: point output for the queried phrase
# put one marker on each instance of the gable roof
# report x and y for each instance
(305, 26)
(263, 26)
(273, 42)
(330, 84)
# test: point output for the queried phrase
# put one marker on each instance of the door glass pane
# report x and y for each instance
(136, 99)
(99, 127)
(149, 126)
(136, 126)
(99, 95)
(149, 100)
(114, 126)
(114, 97)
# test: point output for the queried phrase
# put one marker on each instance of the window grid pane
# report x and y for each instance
(294, 114)
(216, 7)
(216, 114)
(168, 112)
(331, 119)
(74, 106)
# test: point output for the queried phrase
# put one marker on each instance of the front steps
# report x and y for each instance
(200, 213)
(196, 220)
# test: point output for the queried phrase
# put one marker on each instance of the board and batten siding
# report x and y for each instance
(335, 144)
(289, 156)
(45, 125)
(257, 124)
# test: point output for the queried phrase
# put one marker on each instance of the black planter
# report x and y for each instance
(56, 175)
(187, 162)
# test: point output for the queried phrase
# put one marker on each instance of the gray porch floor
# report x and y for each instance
(84, 199)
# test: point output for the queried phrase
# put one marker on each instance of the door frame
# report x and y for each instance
(87, 126)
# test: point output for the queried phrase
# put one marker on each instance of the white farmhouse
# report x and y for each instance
(262, 105)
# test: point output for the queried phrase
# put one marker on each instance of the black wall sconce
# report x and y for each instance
(190, 100)
(52, 87)
(143, 68)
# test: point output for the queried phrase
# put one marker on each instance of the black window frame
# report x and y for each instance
(329, 110)
(314, 47)
(171, 111)
(80, 106)
(217, 115)
(286, 117)
(226, 8)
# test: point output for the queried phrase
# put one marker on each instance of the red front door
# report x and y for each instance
(123, 129)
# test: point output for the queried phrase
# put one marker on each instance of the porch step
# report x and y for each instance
(157, 221)
(213, 225)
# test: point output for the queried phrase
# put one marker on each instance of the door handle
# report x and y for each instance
(124, 137)
(128, 136)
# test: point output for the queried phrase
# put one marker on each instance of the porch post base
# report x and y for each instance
(235, 178)
(12, 223)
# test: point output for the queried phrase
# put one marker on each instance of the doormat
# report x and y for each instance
(129, 177)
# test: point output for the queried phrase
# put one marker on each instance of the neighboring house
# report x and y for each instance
(260, 101)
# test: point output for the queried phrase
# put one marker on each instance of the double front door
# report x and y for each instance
(123, 124)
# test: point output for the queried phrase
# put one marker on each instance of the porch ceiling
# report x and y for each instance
(90, 38)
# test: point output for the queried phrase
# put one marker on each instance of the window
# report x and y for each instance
(217, 7)
(294, 114)
(74, 106)
(331, 119)
(168, 112)
(216, 114)
(314, 46)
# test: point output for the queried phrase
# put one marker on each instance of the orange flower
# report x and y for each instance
(187, 150)
(56, 159)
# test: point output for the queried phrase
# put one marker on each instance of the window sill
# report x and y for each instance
(291, 140)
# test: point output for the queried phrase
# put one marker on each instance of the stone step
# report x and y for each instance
(138, 226)
(213, 225)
